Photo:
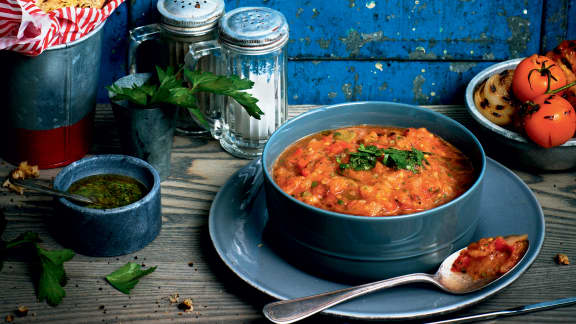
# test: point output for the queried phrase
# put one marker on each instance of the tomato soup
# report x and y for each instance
(491, 257)
(374, 171)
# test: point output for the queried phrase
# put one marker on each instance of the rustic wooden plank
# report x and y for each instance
(188, 265)
(376, 50)
(409, 30)
(559, 23)
(422, 83)
(401, 29)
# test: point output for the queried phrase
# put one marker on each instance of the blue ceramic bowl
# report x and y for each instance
(358, 248)
(108, 232)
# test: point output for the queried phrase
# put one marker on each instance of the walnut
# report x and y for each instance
(562, 259)
(174, 298)
(23, 171)
(21, 311)
(186, 305)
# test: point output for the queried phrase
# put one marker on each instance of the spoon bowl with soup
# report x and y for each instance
(464, 271)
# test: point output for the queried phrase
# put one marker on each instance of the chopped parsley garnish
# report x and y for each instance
(366, 157)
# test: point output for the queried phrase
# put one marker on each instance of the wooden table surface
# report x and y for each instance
(189, 266)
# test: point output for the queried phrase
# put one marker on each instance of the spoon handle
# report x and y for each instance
(512, 311)
(50, 191)
(289, 311)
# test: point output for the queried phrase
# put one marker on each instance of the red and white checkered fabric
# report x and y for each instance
(26, 29)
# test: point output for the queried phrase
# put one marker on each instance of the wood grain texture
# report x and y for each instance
(188, 264)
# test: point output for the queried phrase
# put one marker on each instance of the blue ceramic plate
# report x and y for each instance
(509, 207)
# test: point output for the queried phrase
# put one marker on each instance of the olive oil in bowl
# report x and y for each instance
(110, 190)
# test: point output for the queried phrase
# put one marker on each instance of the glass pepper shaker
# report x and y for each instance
(182, 23)
(250, 45)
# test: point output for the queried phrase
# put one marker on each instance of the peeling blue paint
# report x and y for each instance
(378, 49)
(520, 30)
(419, 96)
(460, 67)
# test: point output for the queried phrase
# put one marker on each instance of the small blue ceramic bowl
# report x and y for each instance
(108, 232)
(359, 248)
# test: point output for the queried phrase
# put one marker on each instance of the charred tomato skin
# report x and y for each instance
(549, 120)
(535, 75)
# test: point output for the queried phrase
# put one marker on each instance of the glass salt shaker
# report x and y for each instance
(182, 23)
(251, 45)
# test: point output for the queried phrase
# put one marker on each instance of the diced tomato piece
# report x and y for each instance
(501, 245)
(461, 263)
(339, 147)
(302, 163)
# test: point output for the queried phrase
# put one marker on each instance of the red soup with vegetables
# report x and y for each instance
(374, 171)
(491, 257)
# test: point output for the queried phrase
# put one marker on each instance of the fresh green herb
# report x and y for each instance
(21, 240)
(169, 87)
(24, 238)
(340, 202)
(314, 184)
(127, 276)
(52, 276)
(366, 157)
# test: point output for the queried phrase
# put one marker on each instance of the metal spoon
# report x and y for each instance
(52, 191)
(289, 311)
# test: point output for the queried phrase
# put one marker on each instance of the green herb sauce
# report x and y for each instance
(110, 190)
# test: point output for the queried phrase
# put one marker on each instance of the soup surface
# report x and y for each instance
(373, 171)
(110, 190)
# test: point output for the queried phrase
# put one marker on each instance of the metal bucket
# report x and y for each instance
(48, 101)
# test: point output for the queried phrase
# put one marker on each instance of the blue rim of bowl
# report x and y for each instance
(130, 159)
(423, 213)
(473, 110)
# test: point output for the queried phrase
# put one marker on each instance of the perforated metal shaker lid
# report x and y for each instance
(193, 17)
(254, 29)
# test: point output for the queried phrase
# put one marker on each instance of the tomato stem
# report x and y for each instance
(544, 71)
(561, 88)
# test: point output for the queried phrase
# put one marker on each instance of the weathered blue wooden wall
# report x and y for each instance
(411, 51)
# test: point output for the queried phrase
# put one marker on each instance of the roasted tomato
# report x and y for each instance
(549, 120)
(536, 75)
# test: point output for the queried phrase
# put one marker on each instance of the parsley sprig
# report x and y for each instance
(51, 275)
(366, 158)
(179, 89)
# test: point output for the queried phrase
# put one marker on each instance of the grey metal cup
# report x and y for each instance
(108, 232)
(146, 133)
(52, 90)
